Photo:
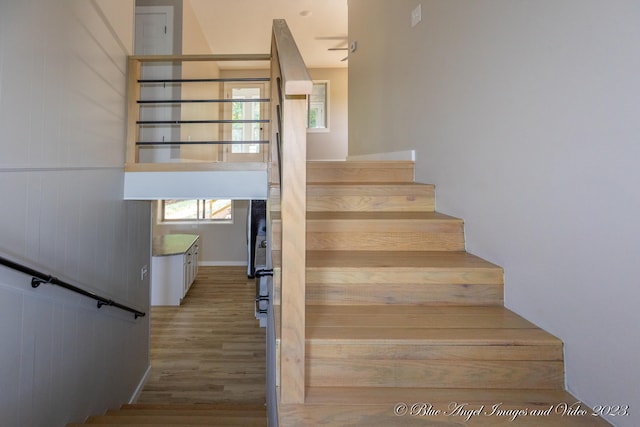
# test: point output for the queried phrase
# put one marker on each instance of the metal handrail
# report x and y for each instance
(191, 122)
(229, 80)
(220, 142)
(202, 101)
(38, 278)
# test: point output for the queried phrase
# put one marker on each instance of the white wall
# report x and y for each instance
(332, 144)
(62, 88)
(526, 117)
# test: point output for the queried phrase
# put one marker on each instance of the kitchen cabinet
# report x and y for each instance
(174, 266)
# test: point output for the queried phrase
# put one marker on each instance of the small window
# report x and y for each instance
(196, 210)
(318, 107)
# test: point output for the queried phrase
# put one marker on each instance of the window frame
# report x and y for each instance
(163, 220)
(327, 103)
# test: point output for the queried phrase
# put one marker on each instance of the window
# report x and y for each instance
(318, 107)
(196, 210)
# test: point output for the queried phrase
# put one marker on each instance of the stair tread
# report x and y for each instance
(396, 260)
(365, 187)
(392, 395)
(193, 406)
(441, 325)
(414, 317)
(178, 419)
(374, 215)
(251, 413)
(359, 171)
(364, 406)
(458, 336)
(358, 406)
(375, 164)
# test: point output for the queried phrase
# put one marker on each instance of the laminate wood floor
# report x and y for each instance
(211, 349)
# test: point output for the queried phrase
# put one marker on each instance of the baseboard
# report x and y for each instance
(222, 263)
(392, 155)
(140, 387)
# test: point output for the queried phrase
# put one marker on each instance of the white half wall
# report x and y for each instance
(525, 115)
(241, 185)
(62, 126)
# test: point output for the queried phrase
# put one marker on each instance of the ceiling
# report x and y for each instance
(244, 26)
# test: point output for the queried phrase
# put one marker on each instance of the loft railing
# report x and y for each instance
(291, 84)
(180, 112)
(38, 278)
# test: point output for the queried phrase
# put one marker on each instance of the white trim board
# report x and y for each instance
(392, 155)
(140, 387)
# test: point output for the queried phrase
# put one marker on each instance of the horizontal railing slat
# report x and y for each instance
(200, 142)
(186, 101)
(222, 57)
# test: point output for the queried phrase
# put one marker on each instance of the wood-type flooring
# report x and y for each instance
(211, 348)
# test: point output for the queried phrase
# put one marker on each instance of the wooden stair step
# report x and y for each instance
(389, 197)
(414, 317)
(359, 171)
(401, 277)
(405, 260)
(371, 197)
(177, 420)
(397, 231)
(357, 406)
(212, 414)
(457, 335)
(437, 350)
(194, 406)
(219, 413)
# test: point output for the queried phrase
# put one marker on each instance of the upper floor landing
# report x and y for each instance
(199, 126)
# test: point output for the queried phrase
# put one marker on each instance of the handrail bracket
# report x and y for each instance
(36, 282)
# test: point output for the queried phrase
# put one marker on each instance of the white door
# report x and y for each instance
(154, 36)
(154, 30)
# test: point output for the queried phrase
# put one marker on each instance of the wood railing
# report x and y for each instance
(178, 115)
(290, 83)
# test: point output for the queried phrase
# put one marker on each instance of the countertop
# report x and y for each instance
(172, 244)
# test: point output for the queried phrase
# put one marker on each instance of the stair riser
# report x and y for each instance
(381, 241)
(426, 276)
(435, 373)
(379, 235)
(355, 203)
(359, 172)
(436, 292)
(408, 294)
(369, 198)
(352, 286)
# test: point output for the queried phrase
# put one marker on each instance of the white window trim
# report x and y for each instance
(198, 221)
(327, 109)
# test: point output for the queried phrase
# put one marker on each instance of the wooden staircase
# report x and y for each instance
(403, 327)
(193, 415)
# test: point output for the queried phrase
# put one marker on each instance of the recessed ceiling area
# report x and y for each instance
(244, 26)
